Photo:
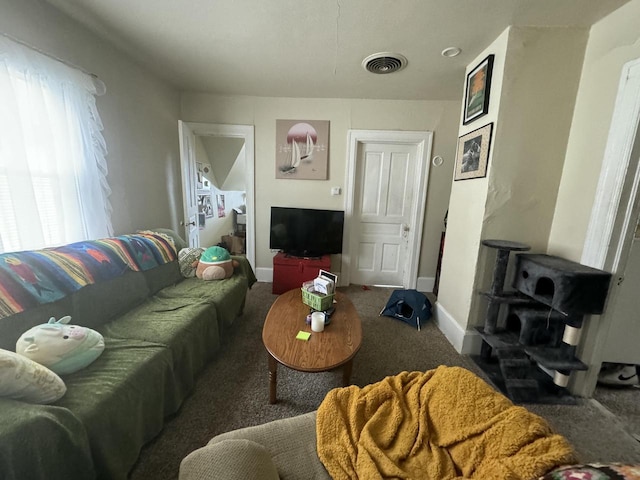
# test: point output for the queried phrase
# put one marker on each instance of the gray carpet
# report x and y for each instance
(233, 390)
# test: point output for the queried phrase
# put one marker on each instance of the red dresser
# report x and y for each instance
(290, 272)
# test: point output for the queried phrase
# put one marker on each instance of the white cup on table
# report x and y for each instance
(317, 321)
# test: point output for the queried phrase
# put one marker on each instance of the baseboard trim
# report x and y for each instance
(465, 342)
(264, 275)
(425, 284)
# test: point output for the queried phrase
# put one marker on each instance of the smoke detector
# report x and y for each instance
(384, 62)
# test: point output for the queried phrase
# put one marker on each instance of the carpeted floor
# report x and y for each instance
(233, 390)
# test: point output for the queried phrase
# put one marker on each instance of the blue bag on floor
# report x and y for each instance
(410, 306)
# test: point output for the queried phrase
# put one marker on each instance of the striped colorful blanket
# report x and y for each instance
(36, 277)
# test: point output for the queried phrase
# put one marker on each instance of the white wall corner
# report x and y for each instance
(466, 342)
(264, 274)
(425, 284)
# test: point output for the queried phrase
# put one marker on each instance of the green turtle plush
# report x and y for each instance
(215, 264)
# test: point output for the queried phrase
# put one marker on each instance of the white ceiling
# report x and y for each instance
(314, 48)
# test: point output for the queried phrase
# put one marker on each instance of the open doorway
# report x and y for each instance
(610, 237)
(218, 184)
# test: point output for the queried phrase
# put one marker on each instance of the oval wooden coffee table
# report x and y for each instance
(334, 347)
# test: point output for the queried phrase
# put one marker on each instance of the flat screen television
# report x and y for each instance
(306, 232)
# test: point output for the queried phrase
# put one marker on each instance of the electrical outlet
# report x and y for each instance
(335, 190)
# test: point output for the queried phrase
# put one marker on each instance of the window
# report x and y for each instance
(53, 187)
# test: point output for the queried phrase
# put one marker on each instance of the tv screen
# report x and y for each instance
(306, 232)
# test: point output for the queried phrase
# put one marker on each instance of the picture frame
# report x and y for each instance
(204, 205)
(472, 154)
(477, 91)
(302, 149)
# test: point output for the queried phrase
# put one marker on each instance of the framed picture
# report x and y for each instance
(472, 154)
(478, 87)
(302, 149)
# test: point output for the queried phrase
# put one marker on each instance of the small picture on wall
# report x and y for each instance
(472, 154)
(302, 149)
(478, 87)
(201, 221)
(205, 206)
(221, 212)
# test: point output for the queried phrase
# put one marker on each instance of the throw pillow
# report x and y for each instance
(26, 380)
(595, 471)
(188, 260)
(62, 348)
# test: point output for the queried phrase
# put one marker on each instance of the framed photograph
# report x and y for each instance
(472, 154)
(302, 149)
(478, 87)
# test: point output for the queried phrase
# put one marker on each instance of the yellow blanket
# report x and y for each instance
(446, 423)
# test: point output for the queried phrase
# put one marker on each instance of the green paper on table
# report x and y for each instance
(303, 335)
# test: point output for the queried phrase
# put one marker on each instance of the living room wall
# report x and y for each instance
(535, 80)
(441, 117)
(613, 42)
(139, 113)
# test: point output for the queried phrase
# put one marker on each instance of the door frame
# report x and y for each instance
(611, 226)
(245, 132)
(423, 142)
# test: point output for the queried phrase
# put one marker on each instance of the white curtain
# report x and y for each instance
(53, 187)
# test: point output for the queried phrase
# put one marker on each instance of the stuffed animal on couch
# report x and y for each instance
(61, 347)
(215, 264)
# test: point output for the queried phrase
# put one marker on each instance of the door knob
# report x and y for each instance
(193, 224)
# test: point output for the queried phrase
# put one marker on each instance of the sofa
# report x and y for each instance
(159, 328)
(444, 423)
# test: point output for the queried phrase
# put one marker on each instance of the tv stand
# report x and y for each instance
(291, 272)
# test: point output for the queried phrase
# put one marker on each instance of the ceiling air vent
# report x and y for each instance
(384, 62)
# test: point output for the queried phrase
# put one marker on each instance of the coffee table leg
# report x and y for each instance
(273, 369)
(346, 373)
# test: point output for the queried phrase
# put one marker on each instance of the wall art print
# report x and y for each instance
(221, 207)
(472, 154)
(478, 87)
(302, 149)
(204, 205)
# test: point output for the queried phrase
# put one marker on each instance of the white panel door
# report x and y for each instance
(189, 182)
(385, 178)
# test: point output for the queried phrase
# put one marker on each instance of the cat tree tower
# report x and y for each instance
(530, 351)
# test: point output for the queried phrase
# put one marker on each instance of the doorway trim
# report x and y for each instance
(612, 216)
(423, 142)
(247, 133)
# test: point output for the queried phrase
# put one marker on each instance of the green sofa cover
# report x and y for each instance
(160, 330)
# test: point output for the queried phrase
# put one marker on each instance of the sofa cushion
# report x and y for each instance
(231, 460)
(42, 441)
(162, 276)
(12, 327)
(122, 399)
(98, 303)
(291, 443)
(226, 295)
(188, 328)
(23, 379)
